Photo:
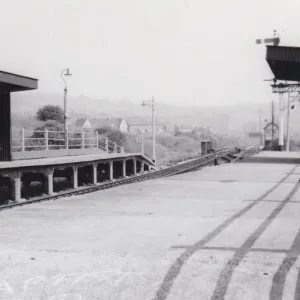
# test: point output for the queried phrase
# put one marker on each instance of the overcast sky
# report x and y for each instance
(185, 52)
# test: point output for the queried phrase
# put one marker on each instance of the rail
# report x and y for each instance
(182, 158)
(33, 140)
(164, 172)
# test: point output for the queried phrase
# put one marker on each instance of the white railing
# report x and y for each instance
(32, 140)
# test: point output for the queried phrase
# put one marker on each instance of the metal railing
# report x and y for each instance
(33, 140)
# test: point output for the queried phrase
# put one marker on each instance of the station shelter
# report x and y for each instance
(10, 83)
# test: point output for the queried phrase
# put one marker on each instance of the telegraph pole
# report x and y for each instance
(152, 104)
(65, 72)
(153, 130)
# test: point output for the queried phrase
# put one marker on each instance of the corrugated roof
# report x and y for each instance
(15, 83)
(270, 124)
(284, 62)
(80, 122)
(283, 53)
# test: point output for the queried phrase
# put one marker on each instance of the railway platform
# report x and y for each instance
(274, 157)
(225, 232)
(94, 168)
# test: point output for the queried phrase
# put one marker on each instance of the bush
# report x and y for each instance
(117, 137)
(50, 112)
(103, 130)
(114, 136)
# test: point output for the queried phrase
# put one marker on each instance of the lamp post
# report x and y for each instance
(65, 72)
(152, 104)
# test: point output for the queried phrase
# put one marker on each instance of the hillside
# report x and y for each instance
(226, 119)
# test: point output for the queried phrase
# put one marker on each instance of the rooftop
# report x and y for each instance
(270, 125)
(10, 82)
(284, 62)
(80, 122)
(254, 134)
(107, 122)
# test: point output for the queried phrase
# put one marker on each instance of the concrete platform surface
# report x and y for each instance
(225, 232)
(54, 153)
(279, 154)
(50, 161)
(276, 157)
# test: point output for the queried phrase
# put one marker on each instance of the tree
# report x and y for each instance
(50, 112)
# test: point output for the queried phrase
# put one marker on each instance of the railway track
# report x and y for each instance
(166, 172)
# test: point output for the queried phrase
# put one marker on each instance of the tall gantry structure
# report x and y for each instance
(284, 63)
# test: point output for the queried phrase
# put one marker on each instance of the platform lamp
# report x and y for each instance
(152, 104)
(65, 72)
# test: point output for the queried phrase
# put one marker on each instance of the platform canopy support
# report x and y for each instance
(111, 170)
(124, 168)
(49, 173)
(134, 166)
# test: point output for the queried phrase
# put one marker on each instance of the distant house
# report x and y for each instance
(113, 123)
(268, 131)
(142, 125)
(83, 123)
(185, 130)
(254, 138)
(268, 135)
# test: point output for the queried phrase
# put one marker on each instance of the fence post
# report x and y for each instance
(106, 145)
(23, 140)
(97, 140)
(115, 147)
(83, 146)
(47, 139)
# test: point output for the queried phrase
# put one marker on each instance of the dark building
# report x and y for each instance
(10, 83)
(284, 62)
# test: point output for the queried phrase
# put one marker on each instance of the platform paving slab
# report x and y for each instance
(202, 235)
